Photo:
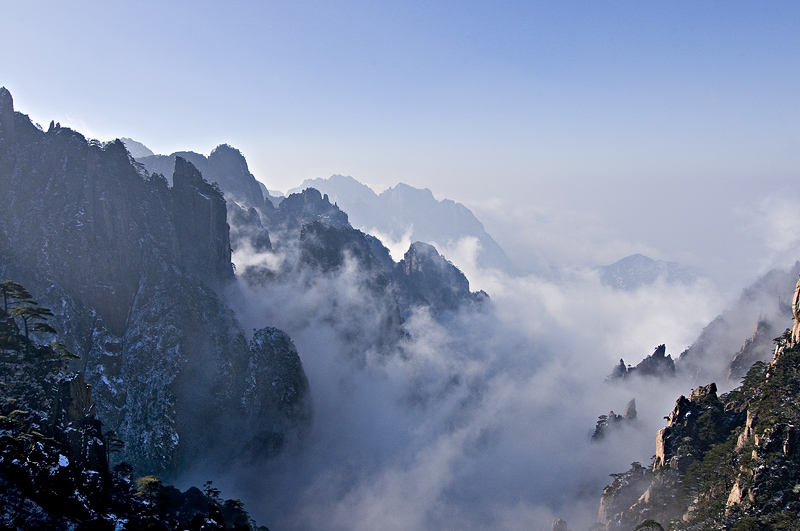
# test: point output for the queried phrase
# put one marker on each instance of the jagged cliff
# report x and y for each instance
(135, 263)
(133, 269)
(723, 462)
(54, 455)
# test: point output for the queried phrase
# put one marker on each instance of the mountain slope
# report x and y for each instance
(133, 269)
(723, 462)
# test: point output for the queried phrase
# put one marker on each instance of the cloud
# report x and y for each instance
(478, 419)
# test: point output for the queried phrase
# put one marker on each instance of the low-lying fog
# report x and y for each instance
(483, 420)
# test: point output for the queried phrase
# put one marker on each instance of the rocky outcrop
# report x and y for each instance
(305, 207)
(730, 461)
(327, 247)
(431, 280)
(275, 383)
(658, 364)
(621, 495)
(687, 433)
(605, 423)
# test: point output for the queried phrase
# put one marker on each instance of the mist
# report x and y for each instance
(480, 418)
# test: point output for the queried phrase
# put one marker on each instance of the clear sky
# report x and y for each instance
(625, 108)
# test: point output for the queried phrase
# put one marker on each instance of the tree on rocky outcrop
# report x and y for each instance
(613, 420)
(12, 291)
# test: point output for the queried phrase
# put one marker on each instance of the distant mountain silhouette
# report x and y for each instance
(407, 212)
(637, 270)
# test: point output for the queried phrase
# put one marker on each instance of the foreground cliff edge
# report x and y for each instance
(722, 462)
(55, 457)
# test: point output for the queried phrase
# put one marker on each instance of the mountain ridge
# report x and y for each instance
(404, 212)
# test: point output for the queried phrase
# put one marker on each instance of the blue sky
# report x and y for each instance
(570, 104)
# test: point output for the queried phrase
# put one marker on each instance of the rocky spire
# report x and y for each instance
(7, 131)
(200, 218)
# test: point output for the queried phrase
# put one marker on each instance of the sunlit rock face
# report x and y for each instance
(132, 269)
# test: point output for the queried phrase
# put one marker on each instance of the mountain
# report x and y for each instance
(225, 165)
(659, 364)
(136, 149)
(140, 273)
(134, 270)
(722, 462)
(404, 212)
(728, 346)
(636, 271)
(55, 470)
(743, 333)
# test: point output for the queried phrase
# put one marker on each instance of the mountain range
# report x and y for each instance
(161, 276)
(403, 212)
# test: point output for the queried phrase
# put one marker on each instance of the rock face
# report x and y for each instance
(7, 128)
(200, 219)
(623, 493)
(725, 462)
(132, 269)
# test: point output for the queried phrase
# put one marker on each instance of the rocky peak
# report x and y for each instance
(431, 278)
(684, 424)
(307, 206)
(326, 248)
(136, 149)
(7, 132)
(659, 363)
(630, 410)
(228, 168)
(200, 218)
